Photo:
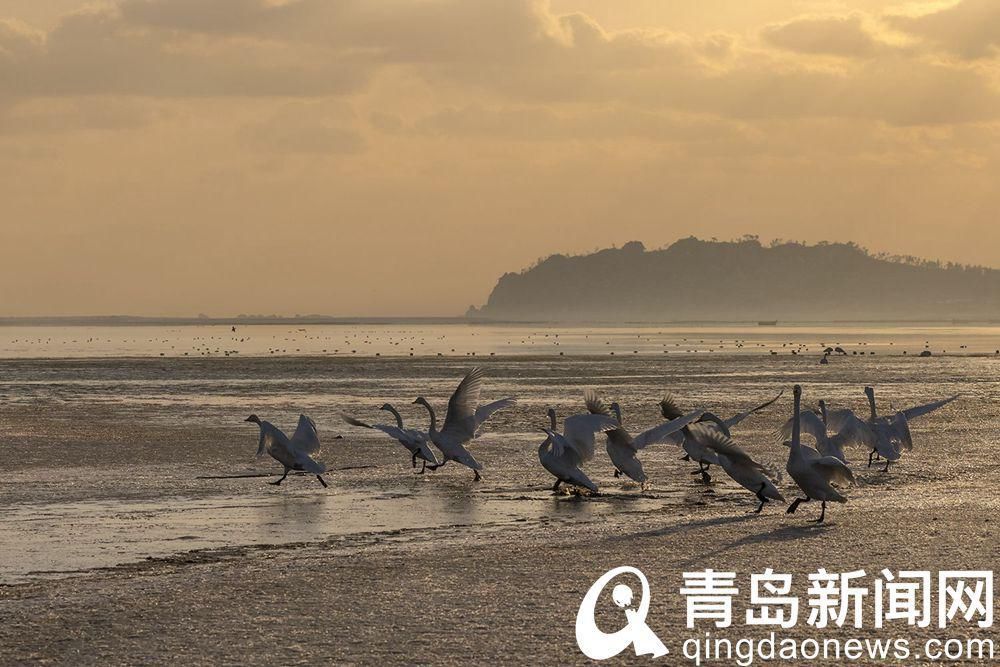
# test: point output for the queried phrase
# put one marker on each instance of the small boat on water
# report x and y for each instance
(767, 323)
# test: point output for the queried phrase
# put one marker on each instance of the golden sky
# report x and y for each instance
(395, 157)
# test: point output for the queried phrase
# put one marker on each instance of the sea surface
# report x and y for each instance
(364, 340)
(128, 443)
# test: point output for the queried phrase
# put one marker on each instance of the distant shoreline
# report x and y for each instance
(132, 321)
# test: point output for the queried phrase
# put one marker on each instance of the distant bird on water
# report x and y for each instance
(294, 454)
(462, 421)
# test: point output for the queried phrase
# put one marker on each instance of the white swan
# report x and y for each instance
(294, 454)
(696, 447)
(563, 453)
(814, 473)
(415, 441)
(751, 475)
(887, 437)
(815, 424)
(622, 447)
(462, 421)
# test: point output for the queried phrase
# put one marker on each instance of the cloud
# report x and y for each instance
(969, 28)
(513, 52)
(830, 35)
(98, 52)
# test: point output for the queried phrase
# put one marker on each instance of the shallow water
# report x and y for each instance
(486, 339)
(110, 461)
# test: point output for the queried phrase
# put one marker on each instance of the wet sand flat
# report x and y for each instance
(136, 529)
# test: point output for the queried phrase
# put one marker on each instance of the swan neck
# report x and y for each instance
(430, 410)
(796, 434)
(395, 413)
(871, 405)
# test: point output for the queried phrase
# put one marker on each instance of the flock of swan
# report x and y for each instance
(820, 472)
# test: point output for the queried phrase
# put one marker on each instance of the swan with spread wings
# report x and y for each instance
(295, 453)
(623, 447)
(562, 454)
(462, 422)
(414, 440)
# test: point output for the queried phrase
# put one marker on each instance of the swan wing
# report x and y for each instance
(664, 432)
(595, 405)
(559, 443)
(809, 422)
(720, 443)
(899, 428)
(836, 470)
(669, 407)
(354, 422)
(388, 429)
(851, 430)
(579, 432)
(271, 438)
(484, 412)
(920, 410)
(736, 419)
(460, 420)
(305, 438)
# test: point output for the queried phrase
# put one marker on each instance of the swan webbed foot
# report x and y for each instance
(478, 477)
(618, 473)
(555, 487)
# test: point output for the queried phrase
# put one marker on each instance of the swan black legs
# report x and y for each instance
(703, 471)
(822, 514)
(413, 461)
(322, 481)
(795, 504)
(555, 487)
(478, 477)
(282, 479)
(871, 457)
(761, 498)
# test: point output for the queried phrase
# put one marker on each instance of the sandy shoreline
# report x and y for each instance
(454, 595)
